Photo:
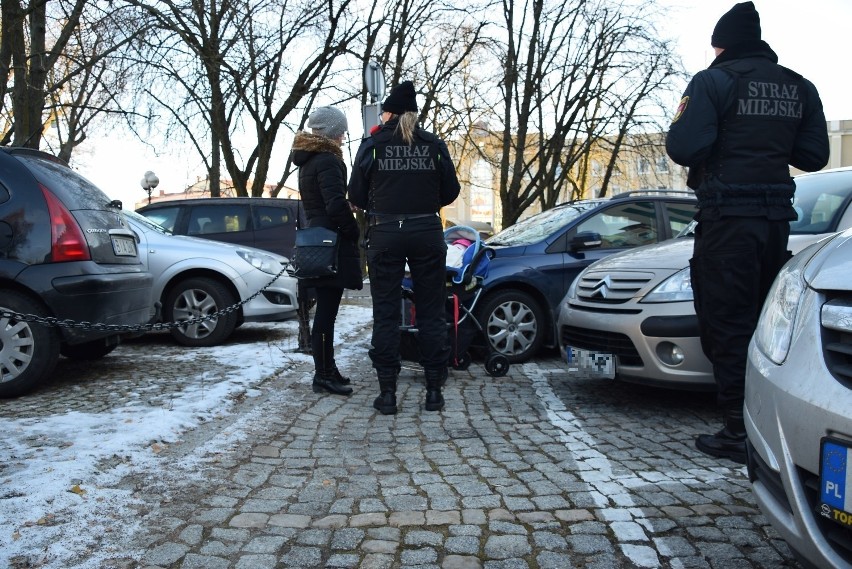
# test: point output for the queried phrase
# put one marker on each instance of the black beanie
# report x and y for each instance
(739, 24)
(402, 99)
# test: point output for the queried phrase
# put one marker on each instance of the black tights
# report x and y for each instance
(322, 335)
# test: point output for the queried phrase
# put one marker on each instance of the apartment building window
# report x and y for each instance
(643, 165)
(663, 165)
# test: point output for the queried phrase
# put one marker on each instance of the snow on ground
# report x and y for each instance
(59, 470)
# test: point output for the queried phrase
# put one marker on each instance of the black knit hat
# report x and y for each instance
(739, 24)
(402, 99)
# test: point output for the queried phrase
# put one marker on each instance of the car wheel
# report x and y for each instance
(513, 323)
(196, 298)
(87, 350)
(28, 351)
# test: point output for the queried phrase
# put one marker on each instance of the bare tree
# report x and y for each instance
(238, 69)
(60, 61)
(572, 74)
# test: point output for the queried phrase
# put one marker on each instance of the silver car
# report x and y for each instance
(631, 315)
(198, 277)
(798, 404)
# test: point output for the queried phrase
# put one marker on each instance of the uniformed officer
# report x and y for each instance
(402, 176)
(741, 123)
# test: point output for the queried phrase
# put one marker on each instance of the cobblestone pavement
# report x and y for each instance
(538, 469)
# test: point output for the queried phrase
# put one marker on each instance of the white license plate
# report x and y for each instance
(124, 247)
(835, 481)
(597, 363)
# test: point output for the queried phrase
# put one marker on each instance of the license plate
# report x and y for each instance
(597, 363)
(835, 481)
(124, 247)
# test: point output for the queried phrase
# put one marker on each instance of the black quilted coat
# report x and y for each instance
(322, 184)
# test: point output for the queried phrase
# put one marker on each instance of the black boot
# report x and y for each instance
(730, 442)
(385, 403)
(338, 377)
(435, 378)
(324, 380)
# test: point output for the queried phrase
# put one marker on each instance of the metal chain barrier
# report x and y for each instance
(158, 326)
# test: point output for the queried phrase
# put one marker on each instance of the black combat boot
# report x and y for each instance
(435, 378)
(385, 403)
(324, 380)
(730, 442)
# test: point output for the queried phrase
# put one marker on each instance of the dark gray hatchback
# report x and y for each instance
(264, 223)
(65, 253)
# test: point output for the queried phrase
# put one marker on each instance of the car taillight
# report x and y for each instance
(67, 242)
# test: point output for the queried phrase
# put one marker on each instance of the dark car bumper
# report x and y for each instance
(87, 292)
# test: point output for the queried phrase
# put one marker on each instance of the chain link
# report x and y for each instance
(84, 325)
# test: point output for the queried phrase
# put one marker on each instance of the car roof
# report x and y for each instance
(213, 201)
(681, 194)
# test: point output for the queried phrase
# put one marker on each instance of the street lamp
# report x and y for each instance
(149, 182)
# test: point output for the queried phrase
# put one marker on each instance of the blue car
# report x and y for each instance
(537, 259)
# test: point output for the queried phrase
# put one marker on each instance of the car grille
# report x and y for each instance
(611, 287)
(601, 341)
(836, 319)
(760, 471)
(837, 536)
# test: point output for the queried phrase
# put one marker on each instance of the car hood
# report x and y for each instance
(830, 267)
(195, 246)
(674, 254)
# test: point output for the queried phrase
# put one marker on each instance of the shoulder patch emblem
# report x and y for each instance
(680, 109)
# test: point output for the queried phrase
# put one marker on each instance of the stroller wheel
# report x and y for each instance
(462, 362)
(497, 365)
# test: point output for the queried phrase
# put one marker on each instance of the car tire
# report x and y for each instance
(514, 324)
(198, 297)
(28, 351)
(88, 350)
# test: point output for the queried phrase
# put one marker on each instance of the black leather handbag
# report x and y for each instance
(315, 254)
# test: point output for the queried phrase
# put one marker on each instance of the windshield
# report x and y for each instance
(542, 225)
(819, 201)
(142, 220)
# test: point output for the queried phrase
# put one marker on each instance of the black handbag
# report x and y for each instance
(315, 254)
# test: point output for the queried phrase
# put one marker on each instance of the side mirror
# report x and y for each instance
(586, 240)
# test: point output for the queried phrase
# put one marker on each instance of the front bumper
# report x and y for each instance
(788, 409)
(642, 342)
(278, 302)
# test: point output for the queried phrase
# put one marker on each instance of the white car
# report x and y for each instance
(798, 404)
(194, 278)
(631, 314)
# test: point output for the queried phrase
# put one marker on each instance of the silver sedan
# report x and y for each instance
(798, 404)
(196, 278)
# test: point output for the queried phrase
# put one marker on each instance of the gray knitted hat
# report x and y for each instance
(328, 122)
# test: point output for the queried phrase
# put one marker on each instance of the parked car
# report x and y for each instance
(537, 259)
(65, 253)
(798, 404)
(194, 278)
(632, 314)
(263, 223)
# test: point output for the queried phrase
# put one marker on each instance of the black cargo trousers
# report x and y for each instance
(735, 261)
(420, 241)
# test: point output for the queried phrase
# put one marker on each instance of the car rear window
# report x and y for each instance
(75, 191)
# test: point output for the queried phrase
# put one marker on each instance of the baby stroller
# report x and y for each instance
(467, 266)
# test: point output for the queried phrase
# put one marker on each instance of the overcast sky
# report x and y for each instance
(809, 37)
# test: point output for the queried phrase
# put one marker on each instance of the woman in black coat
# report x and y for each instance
(322, 185)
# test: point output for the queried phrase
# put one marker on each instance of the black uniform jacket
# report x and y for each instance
(741, 123)
(361, 181)
(322, 185)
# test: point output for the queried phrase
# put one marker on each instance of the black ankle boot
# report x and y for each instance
(324, 380)
(338, 377)
(730, 442)
(385, 403)
(435, 378)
